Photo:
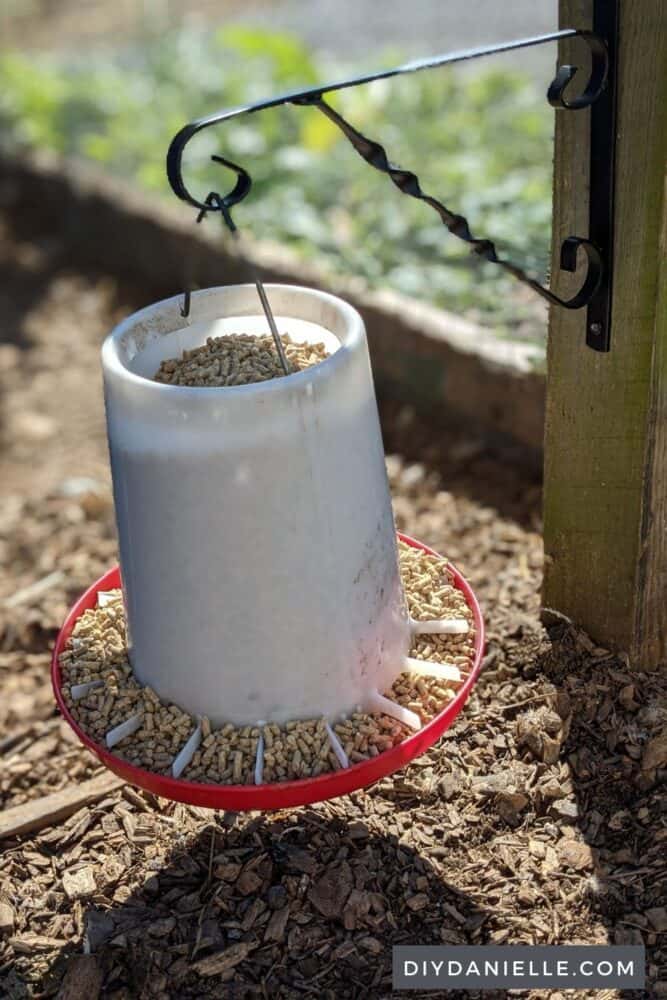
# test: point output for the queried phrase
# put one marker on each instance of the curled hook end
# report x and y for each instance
(175, 173)
(569, 252)
(557, 92)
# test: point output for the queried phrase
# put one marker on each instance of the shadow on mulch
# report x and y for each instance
(610, 808)
(569, 849)
(495, 473)
(26, 280)
(574, 854)
(32, 254)
(224, 898)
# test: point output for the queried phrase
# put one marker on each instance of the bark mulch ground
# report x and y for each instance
(539, 817)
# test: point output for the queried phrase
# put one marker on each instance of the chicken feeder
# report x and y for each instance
(258, 553)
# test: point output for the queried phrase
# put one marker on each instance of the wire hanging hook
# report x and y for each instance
(214, 203)
(187, 295)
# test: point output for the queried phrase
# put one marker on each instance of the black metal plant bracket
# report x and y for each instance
(599, 94)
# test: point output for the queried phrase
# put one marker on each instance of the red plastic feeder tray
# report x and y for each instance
(283, 794)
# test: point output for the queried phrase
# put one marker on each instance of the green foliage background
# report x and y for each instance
(482, 142)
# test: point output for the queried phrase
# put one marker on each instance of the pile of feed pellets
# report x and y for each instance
(102, 693)
(237, 359)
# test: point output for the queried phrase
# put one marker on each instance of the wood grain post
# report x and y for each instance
(605, 507)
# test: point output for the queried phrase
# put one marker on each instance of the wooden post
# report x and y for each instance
(605, 508)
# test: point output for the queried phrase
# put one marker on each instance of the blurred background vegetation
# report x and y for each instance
(481, 141)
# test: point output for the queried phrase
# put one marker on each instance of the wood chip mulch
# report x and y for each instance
(539, 817)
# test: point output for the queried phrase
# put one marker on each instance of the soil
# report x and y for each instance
(539, 817)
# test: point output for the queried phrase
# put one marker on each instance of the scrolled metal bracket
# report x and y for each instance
(595, 250)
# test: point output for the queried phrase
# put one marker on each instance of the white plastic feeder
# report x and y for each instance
(257, 543)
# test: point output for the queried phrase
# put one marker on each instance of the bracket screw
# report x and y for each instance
(596, 329)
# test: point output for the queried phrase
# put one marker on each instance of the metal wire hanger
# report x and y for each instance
(405, 180)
